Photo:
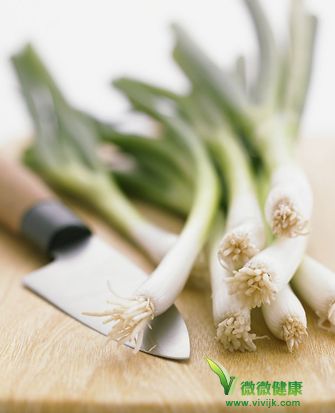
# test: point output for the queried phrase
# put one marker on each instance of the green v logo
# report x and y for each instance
(227, 381)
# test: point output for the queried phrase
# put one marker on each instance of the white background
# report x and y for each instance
(87, 42)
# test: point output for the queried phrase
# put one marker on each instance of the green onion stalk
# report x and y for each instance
(245, 233)
(64, 153)
(267, 119)
(231, 316)
(285, 316)
(130, 315)
(232, 319)
(154, 162)
(268, 122)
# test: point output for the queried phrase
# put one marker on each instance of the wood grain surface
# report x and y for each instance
(20, 191)
(51, 363)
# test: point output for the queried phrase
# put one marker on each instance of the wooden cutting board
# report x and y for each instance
(49, 362)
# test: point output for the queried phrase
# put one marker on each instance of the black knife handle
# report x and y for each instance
(51, 226)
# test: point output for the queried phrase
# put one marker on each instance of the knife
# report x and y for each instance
(77, 280)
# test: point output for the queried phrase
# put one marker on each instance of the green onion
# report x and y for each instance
(286, 318)
(155, 163)
(244, 235)
(267, 127)
(231, 316)
(260, 280)
(131, 315)
(315, 284)
(64, 154)
(265, 87)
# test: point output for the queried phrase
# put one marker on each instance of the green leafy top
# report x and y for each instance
(63, 135)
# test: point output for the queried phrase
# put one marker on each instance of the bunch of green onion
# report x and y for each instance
(223, 156)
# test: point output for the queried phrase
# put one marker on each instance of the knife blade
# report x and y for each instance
(84, 265)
